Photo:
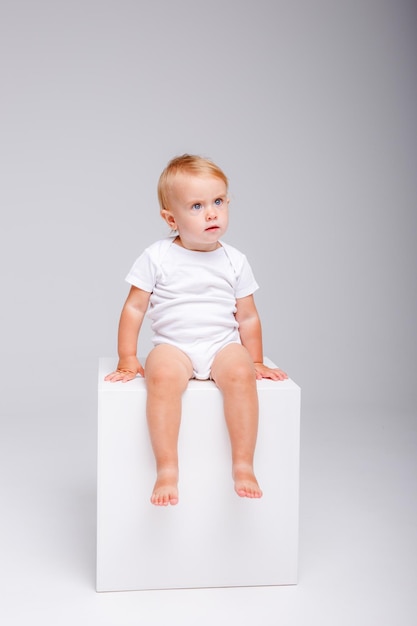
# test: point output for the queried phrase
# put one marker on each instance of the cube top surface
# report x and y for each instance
(109, 364)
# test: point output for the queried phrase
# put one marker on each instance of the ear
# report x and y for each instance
(169, 218)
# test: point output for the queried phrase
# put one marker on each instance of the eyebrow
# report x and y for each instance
(200, 201)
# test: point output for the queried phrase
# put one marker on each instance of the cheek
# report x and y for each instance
(187, 225)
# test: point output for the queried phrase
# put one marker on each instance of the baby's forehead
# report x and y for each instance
(190, 181)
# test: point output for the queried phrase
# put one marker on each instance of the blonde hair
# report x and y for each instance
(186, 164)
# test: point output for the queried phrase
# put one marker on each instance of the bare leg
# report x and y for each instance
(234, 373)
(167, 372)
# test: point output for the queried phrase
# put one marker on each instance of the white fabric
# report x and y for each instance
(193, 297)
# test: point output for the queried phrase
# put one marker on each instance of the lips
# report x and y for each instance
(211, 228)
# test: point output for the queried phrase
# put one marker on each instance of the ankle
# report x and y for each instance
(169, 469)
(242, 467)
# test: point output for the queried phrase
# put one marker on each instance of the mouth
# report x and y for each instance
(212, 228)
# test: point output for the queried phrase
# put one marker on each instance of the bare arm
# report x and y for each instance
(251, 337)
(131, 319)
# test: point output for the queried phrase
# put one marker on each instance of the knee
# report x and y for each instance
(241, 375)
(167, 368)
(160, 376)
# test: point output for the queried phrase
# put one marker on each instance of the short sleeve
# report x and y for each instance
(143, 272)
(246, 284)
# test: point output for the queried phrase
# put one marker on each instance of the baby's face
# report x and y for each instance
(198, 209)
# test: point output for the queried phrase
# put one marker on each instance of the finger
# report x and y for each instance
(120, 375)
(274, 374)
(127, 377)
(112, 377)
(280, 375)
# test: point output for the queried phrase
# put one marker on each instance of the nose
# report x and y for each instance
(211, 212)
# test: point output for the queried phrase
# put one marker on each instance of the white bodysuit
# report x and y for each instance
(193, 297)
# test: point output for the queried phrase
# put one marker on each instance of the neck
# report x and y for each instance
(208, 248)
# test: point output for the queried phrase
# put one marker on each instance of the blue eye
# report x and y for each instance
(218, 202)
(197, 206)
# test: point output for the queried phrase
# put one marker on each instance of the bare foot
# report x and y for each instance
(165, 490)
(246, 485)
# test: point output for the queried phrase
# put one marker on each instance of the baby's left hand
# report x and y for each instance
(263, 371)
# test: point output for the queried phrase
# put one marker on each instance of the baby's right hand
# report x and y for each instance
(127, 369)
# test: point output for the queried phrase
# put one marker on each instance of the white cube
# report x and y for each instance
(212, 537)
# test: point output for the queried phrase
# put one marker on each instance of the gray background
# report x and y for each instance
(309, 107)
